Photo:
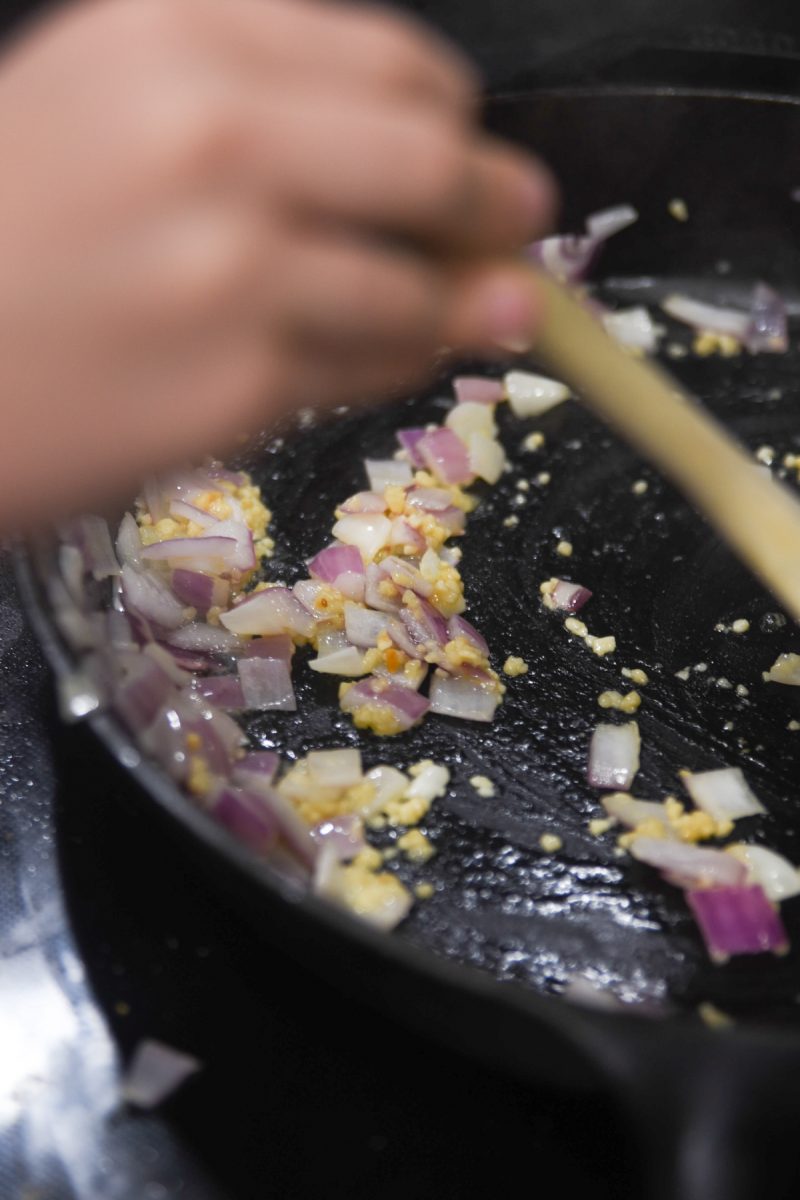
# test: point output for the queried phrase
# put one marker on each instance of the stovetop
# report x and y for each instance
(108, 935)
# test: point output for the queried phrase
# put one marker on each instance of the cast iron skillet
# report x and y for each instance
(482, 962)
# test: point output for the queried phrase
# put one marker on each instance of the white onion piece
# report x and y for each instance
(335, 768)
(238, 529)
(331, 641)
(633, 812)
(369, 532)
(460, 696)
(711, 318)
(689, 866)
(723, 794)
(632, 327)
(608, 221)
(154, 1072)
(362, 626)
(383, 472)
(431, 783)
(390, 785)
(274, 610)
(486, 457)
(348, 663)
(129, 541)
(785, 669)
(351, 585)
(190, 512)
(614, 756)
(771, 871)
(529, 395)
(469, 418)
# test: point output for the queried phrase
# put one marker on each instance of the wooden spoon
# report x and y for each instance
(755, 514)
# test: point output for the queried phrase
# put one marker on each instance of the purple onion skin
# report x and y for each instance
(245, 816)
(737, 920)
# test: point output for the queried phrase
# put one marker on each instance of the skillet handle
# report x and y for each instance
(718, 1111)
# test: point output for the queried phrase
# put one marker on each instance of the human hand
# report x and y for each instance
(214, 210)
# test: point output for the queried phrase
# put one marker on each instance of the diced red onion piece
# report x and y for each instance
(711, 318)
(146, 594)
(737, 920)
(445, 455)
(364, 502)
(688, 866)
(405, 704)
(224, 691)
(771, 871)
(294, 833)
(486, 457)
(431, 500)
(261, 765)
(405, 535)
(343, 835)
(246, 817)
(267, 684)
(274, 610)
(723, 794)
(474, 389)
(530, 395)
(409, 440)
(244, 559)
(569, 597)
(367, 531)
(155, 501)
(204, 639)
(451, 519)
(462, 696)
(214, 554)
(218, 471)
(566, 257)
(364, 628)
(141, 692)
(768, 324)
(278, 645)
(614, 756)
(198, 590)
(334, 561)
(155, 1072)
(386, 472)
(349, 662)
(373, 596)
(405, 575)
(425, 626)
(460, 627)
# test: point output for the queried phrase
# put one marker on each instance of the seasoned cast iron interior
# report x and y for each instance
(660, 578)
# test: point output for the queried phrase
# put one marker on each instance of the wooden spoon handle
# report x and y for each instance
(755, 514)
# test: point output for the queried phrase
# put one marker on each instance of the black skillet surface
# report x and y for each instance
(661, 584)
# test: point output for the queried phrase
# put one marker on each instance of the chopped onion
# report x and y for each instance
(708, 317)
(244, 558)
(771, 871)
(386, 472)
(199, 591)
(335, 768)
(94, 540)
(246, 817)
(688, 866)
(445, 456)
(364, 502)
(141, 692)
(267, 684)
(275, 610)
(405, 705)
(569, 597)
(405, 575)
(768, 330)
(723, 794)
(426, 627)
(278, 645)
(604, 224)
(475, 389)
(258, 766)
(225, 691)
(146, 594)
(155, 1072)
(431, 500)
(463, 696)
(614, 756)
(368, 532)
(409, 440)
(406, 536)
(459, 627)
(529, 395)
(373, 596)
(129, 541)
(737, 920)
(190, 512)
(213, 554)
(294, 833)
(632, 327)
(468, 418)
(348, 662)
(486, 457)
(566, 256)
(205, 639)
(343, 836)
(390, 785)
(334, 561)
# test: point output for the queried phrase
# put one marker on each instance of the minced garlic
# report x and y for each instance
(416, 846)
(534, 441)
(483, 786)
(628, 703)
(564, 549)
(515, 666)
(550, 842)
(677, 209)
(636, 675)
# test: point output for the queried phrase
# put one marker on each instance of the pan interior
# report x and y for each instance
(660, 578)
